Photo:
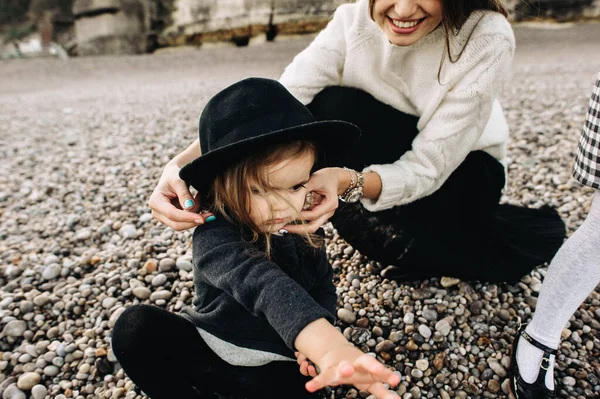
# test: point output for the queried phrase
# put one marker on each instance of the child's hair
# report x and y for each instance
(229, 195)
(454, 14)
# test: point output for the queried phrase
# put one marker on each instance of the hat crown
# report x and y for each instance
(248, 109)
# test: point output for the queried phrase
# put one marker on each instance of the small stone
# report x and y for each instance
(145, 218)
(166, 264)
(346, 315)
(443, 326)
(416, 373)
(39, 392)
(52, 271)
(493, 386)
(412, 345)
(409, 318)
(422, 364)
(128, 231)
(142, 293)
(497, 367)
(476, 307)
(438, 361)
(449, 282)
(158, 280)
(51, 371)
(421, 293)
(109, 302)
(13, 392)
(569, 381)
(430, 314)
(385, 346)
(27, 381)
(15, 328)
(184, 264)
(425, 331)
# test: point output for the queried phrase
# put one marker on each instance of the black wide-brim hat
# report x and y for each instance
(252, 114)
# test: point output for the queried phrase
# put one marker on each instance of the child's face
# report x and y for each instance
(273, 210)
(405, 22)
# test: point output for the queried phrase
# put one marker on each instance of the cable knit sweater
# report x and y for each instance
(456, 117)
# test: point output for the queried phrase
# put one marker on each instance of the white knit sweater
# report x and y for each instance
(456, 117)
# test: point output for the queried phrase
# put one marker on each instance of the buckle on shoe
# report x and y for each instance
(547, 365)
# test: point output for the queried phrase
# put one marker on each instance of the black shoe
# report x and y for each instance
(518, 388)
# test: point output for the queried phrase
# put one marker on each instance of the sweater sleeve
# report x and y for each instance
(451, 132)
(324, 288)
(234, 266)
(321, 63)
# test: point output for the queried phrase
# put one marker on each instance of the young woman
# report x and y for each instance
(422, 186)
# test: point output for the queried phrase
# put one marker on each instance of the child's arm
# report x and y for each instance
(322, 62)
(341, 363)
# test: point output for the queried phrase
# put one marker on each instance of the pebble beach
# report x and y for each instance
(82, 146)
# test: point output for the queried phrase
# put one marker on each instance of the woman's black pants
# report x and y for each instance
(433, 236)
(165, 356)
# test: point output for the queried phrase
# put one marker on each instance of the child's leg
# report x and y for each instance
(272, 381)
(161, 352)
(573, 274)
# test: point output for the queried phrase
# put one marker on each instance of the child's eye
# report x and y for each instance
(256, 191)
(298, 187)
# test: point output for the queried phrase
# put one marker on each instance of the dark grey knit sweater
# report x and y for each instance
(243, 298)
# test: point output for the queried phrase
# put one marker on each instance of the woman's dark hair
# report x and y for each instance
(454, 15)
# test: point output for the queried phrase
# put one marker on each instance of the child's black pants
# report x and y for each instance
(165, 356)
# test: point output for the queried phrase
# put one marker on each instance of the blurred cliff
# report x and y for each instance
(94, 27)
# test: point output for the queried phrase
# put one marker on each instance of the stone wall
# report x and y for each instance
(135, 26)
(112, 26)
(198, 21)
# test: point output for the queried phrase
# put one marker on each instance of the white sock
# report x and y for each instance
(573, 274)
(529, 359)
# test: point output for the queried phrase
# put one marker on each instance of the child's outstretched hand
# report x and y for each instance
(307, 368)
(345, 364)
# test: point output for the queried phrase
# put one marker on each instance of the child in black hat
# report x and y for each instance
(263, 297)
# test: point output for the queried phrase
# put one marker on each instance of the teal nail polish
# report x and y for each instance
(188, 203)
(211, 219)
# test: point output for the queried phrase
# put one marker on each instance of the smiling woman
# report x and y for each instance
(421, 188)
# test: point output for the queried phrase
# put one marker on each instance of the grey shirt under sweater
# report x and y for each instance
(244, 300)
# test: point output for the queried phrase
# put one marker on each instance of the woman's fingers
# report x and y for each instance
(186, 201)
(309, 227)
(178, 226)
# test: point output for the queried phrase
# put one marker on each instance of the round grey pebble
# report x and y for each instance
(15, 328)
(39, 392)
(184, 264)
(51, 271)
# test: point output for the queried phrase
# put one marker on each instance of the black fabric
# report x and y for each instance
(253, 114)
(245, 299)
(165, 356)
(460, 230)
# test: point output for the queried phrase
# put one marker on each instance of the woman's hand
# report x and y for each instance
(326, 183)
(169, 199)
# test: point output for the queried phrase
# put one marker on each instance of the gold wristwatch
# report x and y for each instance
(354, 192)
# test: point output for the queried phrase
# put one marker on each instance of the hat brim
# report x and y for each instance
(330, 137)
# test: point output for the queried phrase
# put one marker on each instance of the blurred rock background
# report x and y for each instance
(94, 27)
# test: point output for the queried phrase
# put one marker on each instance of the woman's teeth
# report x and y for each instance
(401, 24)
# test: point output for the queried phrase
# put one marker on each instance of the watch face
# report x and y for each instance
(354, 196)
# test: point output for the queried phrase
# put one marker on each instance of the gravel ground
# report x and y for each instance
(83, 144)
